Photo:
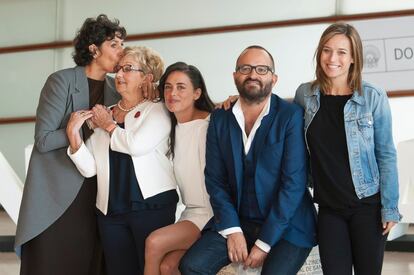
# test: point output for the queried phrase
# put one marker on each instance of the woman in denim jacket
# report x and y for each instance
(352, 156)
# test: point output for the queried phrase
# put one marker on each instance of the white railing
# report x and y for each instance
(11, 189)
(405, 159)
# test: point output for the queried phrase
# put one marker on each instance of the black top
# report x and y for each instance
(329, 157)
(124, 192)
(96, 96)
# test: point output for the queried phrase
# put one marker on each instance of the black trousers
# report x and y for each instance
(351, 238)
(71, 244)
(123, 237)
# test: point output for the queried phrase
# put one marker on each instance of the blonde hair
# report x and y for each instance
(355, 70)
(149, 60)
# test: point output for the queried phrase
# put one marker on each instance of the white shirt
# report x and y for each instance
(189, 162)
(247, 142)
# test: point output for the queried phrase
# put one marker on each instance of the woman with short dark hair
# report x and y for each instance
(57, 230)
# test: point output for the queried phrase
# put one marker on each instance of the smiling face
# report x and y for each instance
(109, 53)
(130, 81)
(179, 93)
(336, 58)
(254, 87)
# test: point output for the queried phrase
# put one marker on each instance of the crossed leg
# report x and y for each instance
(165, 246)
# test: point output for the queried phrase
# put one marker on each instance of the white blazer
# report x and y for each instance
(145, 138)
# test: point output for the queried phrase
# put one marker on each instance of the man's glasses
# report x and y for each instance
(260, 69)
(127, 68)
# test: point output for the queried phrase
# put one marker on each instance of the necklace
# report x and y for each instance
(130, 109)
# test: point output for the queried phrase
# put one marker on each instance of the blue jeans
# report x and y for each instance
(209, 254)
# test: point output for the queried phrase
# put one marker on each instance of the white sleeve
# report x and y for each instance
(229, 231)
(84, 161)
(147, 136)
(262, 245)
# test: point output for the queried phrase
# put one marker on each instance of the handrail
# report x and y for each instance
(15, 120)
(219, 29)
(30, 119)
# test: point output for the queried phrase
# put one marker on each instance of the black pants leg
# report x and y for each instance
(351, 238)
(71, 244)
(368, 243)
(123, 237)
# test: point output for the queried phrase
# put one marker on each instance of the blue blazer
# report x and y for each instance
(280, 176)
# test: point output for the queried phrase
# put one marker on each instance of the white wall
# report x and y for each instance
(38, 21)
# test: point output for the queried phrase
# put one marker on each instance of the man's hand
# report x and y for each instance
(237, 247)
(255, 258)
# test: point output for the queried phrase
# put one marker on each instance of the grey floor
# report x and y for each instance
(395, 263)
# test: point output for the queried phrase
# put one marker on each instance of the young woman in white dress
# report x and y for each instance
(184, 91)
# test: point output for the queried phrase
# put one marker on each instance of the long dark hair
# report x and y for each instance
(203, 103)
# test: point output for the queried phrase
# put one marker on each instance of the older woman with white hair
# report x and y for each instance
(136, 186)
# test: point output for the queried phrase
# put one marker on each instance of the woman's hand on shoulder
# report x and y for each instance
(226, 104)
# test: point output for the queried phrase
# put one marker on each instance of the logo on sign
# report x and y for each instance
(372, 55)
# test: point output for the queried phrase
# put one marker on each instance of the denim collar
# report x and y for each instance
(356, 97)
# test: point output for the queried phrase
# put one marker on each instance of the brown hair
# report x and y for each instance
(355, 70)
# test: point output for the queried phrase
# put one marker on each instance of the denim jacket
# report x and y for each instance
(371, 150)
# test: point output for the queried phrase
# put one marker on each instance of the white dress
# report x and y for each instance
(189, 162)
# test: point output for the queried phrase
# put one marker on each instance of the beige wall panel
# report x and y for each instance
(27, 21)
(366, 6)
(21, 81)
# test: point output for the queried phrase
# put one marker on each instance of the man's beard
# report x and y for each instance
(254, 95)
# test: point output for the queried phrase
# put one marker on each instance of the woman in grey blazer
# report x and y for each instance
(57, 231)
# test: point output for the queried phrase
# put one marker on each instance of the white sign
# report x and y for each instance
(390, 54)
(388, 51)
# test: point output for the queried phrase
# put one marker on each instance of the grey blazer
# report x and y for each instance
(52, 181)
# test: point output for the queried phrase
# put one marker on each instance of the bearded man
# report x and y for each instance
(256, 174)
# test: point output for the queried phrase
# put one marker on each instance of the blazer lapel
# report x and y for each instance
(80, 96)
(237, 150)
(265, 124)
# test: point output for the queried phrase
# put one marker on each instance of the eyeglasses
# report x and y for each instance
(259, 69)
(127, 68)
